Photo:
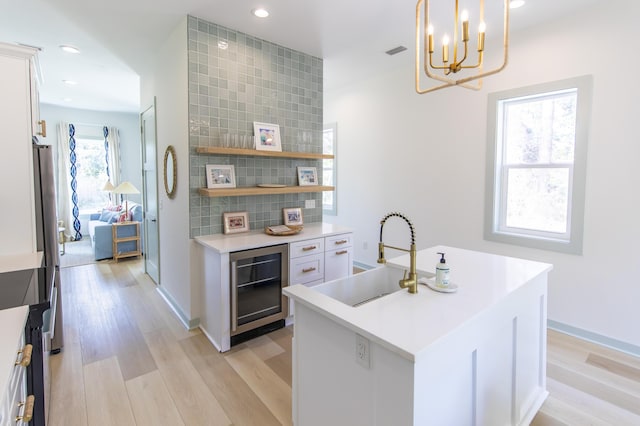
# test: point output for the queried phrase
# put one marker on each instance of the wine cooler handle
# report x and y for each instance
(234, 296)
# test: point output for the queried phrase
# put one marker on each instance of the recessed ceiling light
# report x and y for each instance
(516, 4)
(69, 49)
(70, 82)
(260, 12)
(67, 99)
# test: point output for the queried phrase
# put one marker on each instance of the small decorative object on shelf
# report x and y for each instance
(221, 176)
(307, 176)
(235, 222)
(267, 136)
(283, 230)
(292, 216)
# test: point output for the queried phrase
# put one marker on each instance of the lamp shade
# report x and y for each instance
(108, 186)
(126, 188)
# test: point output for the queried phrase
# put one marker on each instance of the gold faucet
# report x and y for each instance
(412, 282)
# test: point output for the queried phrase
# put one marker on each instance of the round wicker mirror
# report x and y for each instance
(170, 171)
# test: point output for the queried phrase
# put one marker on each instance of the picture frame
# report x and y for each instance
(292, 216)
(235, 222)
(221, 176)
(307, 176)
(267, 136)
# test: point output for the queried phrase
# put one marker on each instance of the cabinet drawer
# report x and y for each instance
(337, 241)
(305, 269)
(306, 248)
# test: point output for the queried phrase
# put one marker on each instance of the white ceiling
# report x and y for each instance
(117, 37)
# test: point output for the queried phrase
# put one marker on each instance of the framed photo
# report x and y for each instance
(236, 222)
(292, 216)
(221, 176)
(307, 176)
(267, 136)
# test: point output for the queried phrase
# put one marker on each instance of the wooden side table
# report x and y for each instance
(123, 232)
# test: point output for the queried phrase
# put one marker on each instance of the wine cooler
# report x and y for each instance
(257, 279)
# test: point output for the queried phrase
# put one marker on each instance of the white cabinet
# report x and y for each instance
(308, 254)
(318, 260)
(18, 117)
(14, 403)
(338, 256)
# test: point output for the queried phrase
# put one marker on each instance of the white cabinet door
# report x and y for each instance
(17, 226)
(338, 263)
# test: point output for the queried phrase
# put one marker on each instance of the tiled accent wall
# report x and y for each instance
(234, 80)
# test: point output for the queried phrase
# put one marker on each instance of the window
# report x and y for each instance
(91, 175)
(329, 169)
(537, 143)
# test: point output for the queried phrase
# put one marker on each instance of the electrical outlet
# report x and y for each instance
(363, 357)
(309, 204)
(365, 245)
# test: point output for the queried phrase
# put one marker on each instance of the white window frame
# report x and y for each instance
(495, 207)
(332, 209)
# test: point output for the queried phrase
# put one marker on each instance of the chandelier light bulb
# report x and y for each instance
(482, 27)
(445, 40)
(430, 30)
(464, 16)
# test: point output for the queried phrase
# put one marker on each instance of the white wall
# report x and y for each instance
(169, 85)
(425, 156)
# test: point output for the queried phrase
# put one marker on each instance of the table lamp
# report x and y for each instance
(109, 187)
(126, 188)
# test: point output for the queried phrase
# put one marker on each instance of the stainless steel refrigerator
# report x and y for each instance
(47, 233)
(44, 325)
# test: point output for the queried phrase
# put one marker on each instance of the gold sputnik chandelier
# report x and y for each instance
(442, 67)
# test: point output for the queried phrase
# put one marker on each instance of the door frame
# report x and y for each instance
(145, 187)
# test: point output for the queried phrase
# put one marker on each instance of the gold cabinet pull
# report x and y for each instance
(342, 252)
(27, 414)
(309, 248)
(341, 242)
(308, 270)
(26, 356)
(43, 128)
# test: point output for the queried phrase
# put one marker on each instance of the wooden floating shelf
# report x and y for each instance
(254, 190)
(255, 153)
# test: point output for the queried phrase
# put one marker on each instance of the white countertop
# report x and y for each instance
(410, 323)
(227, 243)
(19, 262)
(12, 321)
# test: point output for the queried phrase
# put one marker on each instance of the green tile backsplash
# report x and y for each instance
(234, 80)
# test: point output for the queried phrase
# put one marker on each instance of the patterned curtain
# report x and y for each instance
(112, 145)
(74, 183)
(105, 132)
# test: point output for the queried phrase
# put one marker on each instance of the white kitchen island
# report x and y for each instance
(473, 357)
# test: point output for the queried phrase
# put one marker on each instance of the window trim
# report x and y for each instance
(333, 211)
(583, 84)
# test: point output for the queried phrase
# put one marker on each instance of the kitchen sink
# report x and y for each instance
(363, 287)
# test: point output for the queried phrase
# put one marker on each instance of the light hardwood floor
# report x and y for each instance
(127, 360)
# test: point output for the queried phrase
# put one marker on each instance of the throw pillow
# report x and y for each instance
(106, 215)
(115, 208)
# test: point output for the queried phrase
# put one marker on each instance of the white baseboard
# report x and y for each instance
(599, 339)
(188, 324)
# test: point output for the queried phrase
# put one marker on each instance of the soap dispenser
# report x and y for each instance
(442, 272)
